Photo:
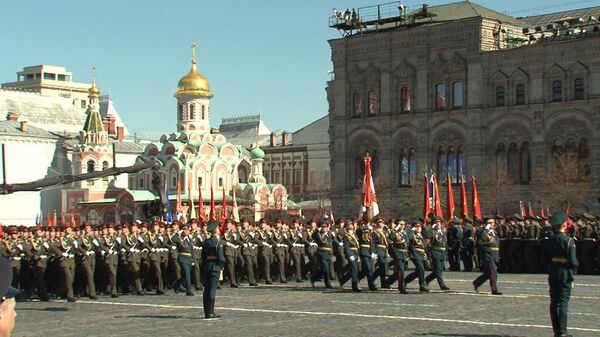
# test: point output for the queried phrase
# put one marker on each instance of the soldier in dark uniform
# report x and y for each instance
(559, 255)
(516, 245)
(265, 250)
(86, 257)
(280, 242)
(531, 246)
(363, 234)
(417, 254)
(588, 245)
(185, 249)
(173, 268)
(297, 239)
(213, 261)
(14, 248)
(198, 236)
(455, 235)
(325, 250)
(231, 239)
(248, 239)
(65, 251)
(379, 246)
(399, 239)
(311, 246)
(488, 244)
(109, 248)
(437, 236)
(351, 247)
(40, 250)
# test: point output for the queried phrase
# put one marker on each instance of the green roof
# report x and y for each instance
(99, 201)
(142, 195)
(93, 122)
(466, 9)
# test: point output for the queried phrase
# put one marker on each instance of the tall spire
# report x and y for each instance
(194, 53)
(93, 128)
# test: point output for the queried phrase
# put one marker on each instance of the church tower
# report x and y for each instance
(193, 100)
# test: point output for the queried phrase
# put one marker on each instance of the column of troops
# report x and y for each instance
(156, 257)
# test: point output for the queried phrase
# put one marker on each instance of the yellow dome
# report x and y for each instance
(193, 84)
(94, 92)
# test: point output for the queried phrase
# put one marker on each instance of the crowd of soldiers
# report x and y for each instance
(69, 262)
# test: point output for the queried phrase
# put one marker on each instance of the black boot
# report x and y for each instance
(212, 309)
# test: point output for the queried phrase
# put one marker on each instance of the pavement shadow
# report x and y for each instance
(153, 316)
(459, 335)
(51, 309)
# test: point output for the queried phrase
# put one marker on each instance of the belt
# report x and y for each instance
(589, 239)
(186, 254)
(382, 246)
(517, 238)
(43, 256)
(16, 258)
(354, 249)
(402, 250)
(492, 249)
(325, 248)
(560, 260)
(420, 250)
(443, 249)
(531, 239)
(212, 257)
(365, 246)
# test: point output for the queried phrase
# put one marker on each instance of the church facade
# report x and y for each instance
(465, 91)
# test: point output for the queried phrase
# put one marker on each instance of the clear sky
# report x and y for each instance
(267, 56)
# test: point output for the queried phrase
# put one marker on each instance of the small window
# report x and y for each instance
(440, 96)
(203, 111)
(405, 104)
(579, 89)
(180, 111)
(83, 104)
(49, 76)
(105, 167)
(173, 182)
(358, 104)
(199, 182)
(500, 101)
(62, 77)
(557, 91)
(220, 182)
(373, 102)
(192, 111)
(141, 183)
(276, 177)
(90, 166)
(297, 177)
(286, 177)
(520, 93)
(457, 95)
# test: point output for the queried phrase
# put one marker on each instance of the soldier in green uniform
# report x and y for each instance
(14, 248)
(153, 247)
(213, 261)
(231, 239)
(132, 244)
(437, 236)
(266, 250)
(40, 248)
(86, 257)
(249, 251)
(198, 240)
(351, 247)
(65, 252)
(109, 250)
(185, 249)
(417, 255)
(490, 255)
(399, 240)
(455, 235)
(297, 239)
(379, 246)
(363, 234)
(325, 250)
(559, 255)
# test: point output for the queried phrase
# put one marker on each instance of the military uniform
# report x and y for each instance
(325, 251)
(417, 255)
(467, 248)
(86, 258)
(297, 238)
(490, 254)
(364, 239)
(455, 235)
(250, 254)
(185, 250)
(379, 246)
(65, 252)
(213, 261)
(153, 246)
(266, 254)
(280, 241)
(109, 248)
(399, 240)
(559, 255)
(351, 247)
(39, 253)
(197, 257)
(131, 244)
(438, 256)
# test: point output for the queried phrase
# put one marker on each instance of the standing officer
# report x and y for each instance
(297, 238)
(198, 236)
(455, 235)
(213, 260)
(231, 239)
(266, 249)
(185, 249)
(249, 251)
(467, 250)
(417, 255)
(559, 255)
(67, 263)
(438, 252)
(86, 254)
(488, 244)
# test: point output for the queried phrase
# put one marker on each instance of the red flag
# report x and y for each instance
(223, 213)
(531, 215)
(436, 196)
(54, 220)
(464, 208)
(426, 196)
(569, 221)
(369, 206)
(450, 200)
(178, 206)
(49, 220)
(212, 215)
(73, 223)
(522, 209)
(201, 213)
(1, 232)
(476, 204)
(63, 221)
(542, 215)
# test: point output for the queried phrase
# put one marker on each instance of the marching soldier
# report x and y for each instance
(351, 247)
(455, 235)
(231, 239)
(174, 270)
(199, 237)
(213, 260)
(266, 250)
(40, 250)
(325, 250)
(132, 243)
(417, 254)
(280, 240)
(249, 251)
(379, 246)
(13, 247)
(108, 250)
(311, 246)
(297, 239)
(364, 239)
(338, 245)
(467, 244)
(185, 249)
(399, 239)
(438, 252)
(559, 255)
(153, 246)
(65, 251)
(86, 258)
(488, 243)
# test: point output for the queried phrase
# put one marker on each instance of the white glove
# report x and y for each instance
(20, 246)
(252, 234)
(373, 256)
(110, 251)
(123, 250)
(160, 237)
(173, 247)
(488, 226)
(352, 258)
(75, 243)
(341, 244)
(46, 245)
(370, 227)
(300, 235)
(285, 235)
(413, 229)
(95, 242)
(65, 254)
(118, 239)
(103, 253)
(397, 228)
(140, 239)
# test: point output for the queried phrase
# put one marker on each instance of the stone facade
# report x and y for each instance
(455, 98)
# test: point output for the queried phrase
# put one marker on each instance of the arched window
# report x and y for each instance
(173, 175)
(460, 160)
(440, 96)
(514, 160)
(412, 166)
(525, 164)
(220, 182)
(452, 164)
(457, 95)
(90, 166)
(192, 111)
(203, 111)
(404, 168)
(500, 97)
(520, 94)
(442, 163)
(405, 103)
(557, 91)
(373, 102)
(357, 104)
(242, 175)
(180, 111)
(199, 182)
(105, 167)
(579, 89)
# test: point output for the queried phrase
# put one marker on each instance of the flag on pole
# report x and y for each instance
(522, 209)
(542, 214)
(369, 206)
(192, 208)
(569, 221)
(201, 212)
(450, 200)
(63, 221)
(167, 203)
(54, 219)
(331, 219)
(73, 223)
(436, 197)
(235, 212)
(531, 214)
(223, 213)
(212, 215)
(426, 198)
(1, 233)
(464, 208)
(476, 204)
(178, 205)
(38, 218)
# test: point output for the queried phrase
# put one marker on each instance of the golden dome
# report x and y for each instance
(193, 83)
(93, 92)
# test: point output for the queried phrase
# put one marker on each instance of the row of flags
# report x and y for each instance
(52, 220)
